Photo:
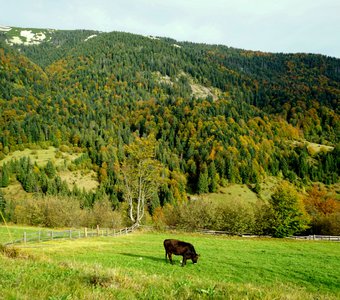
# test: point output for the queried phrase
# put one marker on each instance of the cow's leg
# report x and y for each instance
(184, 261)
(166, 256)
(170, 258)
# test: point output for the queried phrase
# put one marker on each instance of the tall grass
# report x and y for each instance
(133, 266)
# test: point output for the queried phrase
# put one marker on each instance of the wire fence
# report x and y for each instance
(335, 238)
(317, 237)
(49, 235)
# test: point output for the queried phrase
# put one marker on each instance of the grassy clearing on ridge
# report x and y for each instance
(41, 156)
(133, 266)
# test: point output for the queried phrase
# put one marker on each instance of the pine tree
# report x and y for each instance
(213, 178)
(2, 204)
(203, 180)
(50, 169)
(4, 176)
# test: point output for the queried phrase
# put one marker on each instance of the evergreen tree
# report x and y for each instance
(213, 178)
(50, 169)
(4, 176)
(203, 180)
(2, 205)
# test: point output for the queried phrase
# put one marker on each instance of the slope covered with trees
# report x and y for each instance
(100, 92)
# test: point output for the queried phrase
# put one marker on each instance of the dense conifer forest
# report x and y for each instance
(213, 115)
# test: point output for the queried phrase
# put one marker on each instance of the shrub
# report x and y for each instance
(10, 252)
(264, 218)
(52, 211)
(329, 224)
(158, 218)
(235, 217)
(104, 216)
(197, 215)
(323, 209)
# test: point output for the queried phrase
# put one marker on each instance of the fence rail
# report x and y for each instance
(317, 237)
(48, 235)
(335, 238)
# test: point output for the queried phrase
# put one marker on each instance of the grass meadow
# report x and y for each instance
(133, 267)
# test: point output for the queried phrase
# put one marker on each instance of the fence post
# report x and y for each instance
(51, 235)
(39, 236)
(85, 232)
(25, 237)
(70, 233)
(126, 230)
(114, 232)
(97, 230)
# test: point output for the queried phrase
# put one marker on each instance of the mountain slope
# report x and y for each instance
(96, 91)
(301, 88)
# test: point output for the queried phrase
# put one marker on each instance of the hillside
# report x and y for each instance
(219, 115)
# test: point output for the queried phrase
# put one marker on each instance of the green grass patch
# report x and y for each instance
(83, 180)
(133, 267)
(41, 156)
(233, 193)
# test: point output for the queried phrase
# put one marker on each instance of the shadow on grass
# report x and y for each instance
(141, 256)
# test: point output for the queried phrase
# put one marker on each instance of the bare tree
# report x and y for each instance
(140, 175)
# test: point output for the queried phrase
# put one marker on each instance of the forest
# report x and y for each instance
(206, 115)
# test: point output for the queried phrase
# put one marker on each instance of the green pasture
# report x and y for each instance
(232, 193)
(133, 267)
(41, 156)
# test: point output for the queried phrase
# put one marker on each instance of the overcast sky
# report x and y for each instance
(268, 25)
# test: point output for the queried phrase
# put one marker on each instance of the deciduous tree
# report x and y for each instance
(140, 175)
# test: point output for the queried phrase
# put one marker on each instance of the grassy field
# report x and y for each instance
(133, 267)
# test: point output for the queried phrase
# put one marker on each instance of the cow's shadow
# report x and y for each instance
(142, 256)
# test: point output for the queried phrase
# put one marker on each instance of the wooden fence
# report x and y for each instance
(317, 237)
(335, 238)
(48, 235)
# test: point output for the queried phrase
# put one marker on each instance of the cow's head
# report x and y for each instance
(194, 258)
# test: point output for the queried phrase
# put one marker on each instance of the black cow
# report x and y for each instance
(180, 248)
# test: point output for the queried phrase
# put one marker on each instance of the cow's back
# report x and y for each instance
(170, 245)
(178, 247)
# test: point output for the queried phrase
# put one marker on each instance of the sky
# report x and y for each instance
(289, 26)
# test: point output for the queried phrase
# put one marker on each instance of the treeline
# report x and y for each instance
(286, 213)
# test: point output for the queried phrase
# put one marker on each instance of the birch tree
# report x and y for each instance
(140, 175)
